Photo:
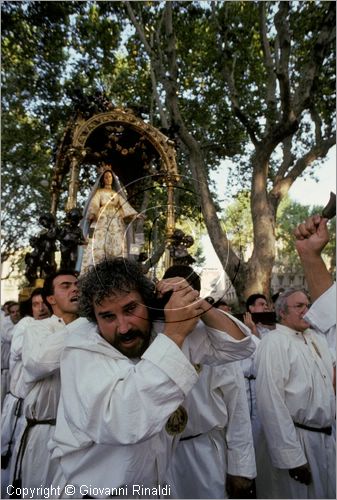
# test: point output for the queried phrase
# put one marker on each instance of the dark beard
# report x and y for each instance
(137, 351)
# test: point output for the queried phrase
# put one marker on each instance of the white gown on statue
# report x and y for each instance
(112, 213)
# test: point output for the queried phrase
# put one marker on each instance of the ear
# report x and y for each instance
(51, 300)
(282, 314)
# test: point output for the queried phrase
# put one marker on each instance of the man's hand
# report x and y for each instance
(183, 309)
(301, 474)
(312, 236)
(248, 321)
(240, 487)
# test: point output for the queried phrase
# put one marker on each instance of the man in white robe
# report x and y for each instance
(296, 405)
(43, 343)
(311, 238)
(215, 451)
(215, 454)
(120, 411)
(7, 327)
(12, 418)
(256, 303)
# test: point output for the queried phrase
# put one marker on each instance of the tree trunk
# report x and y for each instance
(260, 265)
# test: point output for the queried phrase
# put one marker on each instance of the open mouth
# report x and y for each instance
(74, 299)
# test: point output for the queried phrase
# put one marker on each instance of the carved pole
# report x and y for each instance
(170, 222)
(74, 178)
(54, 197)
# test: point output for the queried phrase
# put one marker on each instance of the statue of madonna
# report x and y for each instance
(108, 215)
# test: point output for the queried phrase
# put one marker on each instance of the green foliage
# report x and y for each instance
(53, 50)
(291, 214)
(237, 222)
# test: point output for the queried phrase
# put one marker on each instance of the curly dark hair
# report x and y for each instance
(109, 276)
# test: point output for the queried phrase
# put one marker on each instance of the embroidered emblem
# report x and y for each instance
(177, 422)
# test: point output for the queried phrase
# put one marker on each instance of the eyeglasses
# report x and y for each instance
(300, 307)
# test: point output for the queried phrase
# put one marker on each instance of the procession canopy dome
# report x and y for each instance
(134, 148)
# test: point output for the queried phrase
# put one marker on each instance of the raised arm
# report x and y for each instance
(219, 320)
(185, 307)
(311, 237)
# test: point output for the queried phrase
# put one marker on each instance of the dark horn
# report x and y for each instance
(329, 211)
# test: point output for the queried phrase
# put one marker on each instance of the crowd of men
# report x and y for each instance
(115, 386)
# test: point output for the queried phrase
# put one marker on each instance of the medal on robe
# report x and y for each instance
(177, 422)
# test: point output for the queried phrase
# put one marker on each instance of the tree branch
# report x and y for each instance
(156, 60)
(288, 159)
(269, 65)
(317, 121)
(282, 69)
(139, 29)
(320, 150)
(327, 35)
(228, 72)
(221, 244)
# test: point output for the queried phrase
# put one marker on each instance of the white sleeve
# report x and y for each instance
(41, 350)
(273, 370)
(17, 340)
(117, 402)
(239, 438)
(248, 364)
(322, 314)
(7, 332)
(213, 347)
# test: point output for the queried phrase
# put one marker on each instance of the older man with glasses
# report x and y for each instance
(296, 406)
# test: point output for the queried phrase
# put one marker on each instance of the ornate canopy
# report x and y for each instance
(134, 148)
(138, 153)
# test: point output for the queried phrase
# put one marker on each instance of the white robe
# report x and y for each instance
(294, 384)
(43, 343)
(7, 327)
(113, 411)
(13, 419)
(219, 419)
(322, 317)
(249, 372)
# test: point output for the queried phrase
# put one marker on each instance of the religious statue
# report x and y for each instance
(108, 216)
(70, 236)
(178, 248)
(41, 261)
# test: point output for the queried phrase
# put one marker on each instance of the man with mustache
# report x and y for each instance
(296, 405)
(311, 238)
(43, 343)
(120, 411)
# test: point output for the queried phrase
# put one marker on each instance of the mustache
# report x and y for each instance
(130, 335)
